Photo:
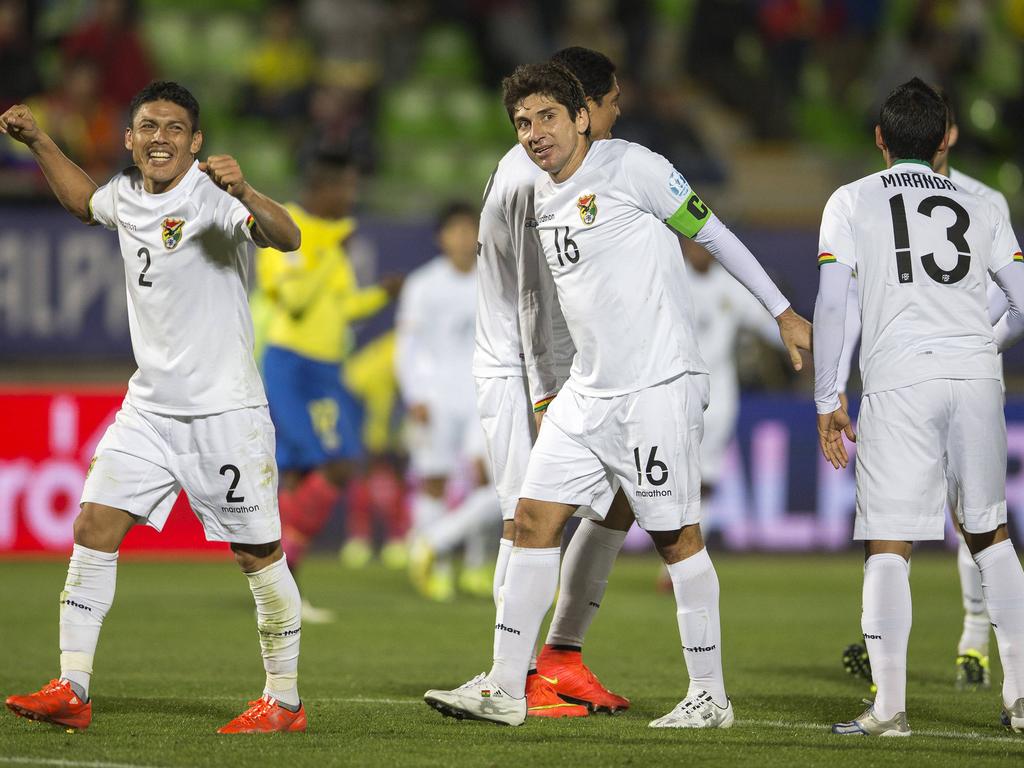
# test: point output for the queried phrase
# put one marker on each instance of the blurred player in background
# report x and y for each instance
(722, 310)
(972, 662)
(195, 416)
(932, 410)
(314, 296)
(435, 323)
(630, 415)
(512, 273)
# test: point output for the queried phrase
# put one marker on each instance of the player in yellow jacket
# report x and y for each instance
(314, 295)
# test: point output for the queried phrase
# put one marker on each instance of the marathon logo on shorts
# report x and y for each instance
(171, 232)
(654, 493)
(242, 510)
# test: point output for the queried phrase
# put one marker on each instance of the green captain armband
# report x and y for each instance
(691, 216)
(542, 405)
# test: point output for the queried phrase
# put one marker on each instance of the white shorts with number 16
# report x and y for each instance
(646, 442)
(224, 462)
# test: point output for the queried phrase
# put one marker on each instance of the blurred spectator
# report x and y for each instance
(81, 120)
(281, 67)
(17, 53)
(111, 40)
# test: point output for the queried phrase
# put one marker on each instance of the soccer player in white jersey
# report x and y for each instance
(511, 271)
(435, 325)
(195, 416)
(972, 661)
(933, 407)
(630, 414)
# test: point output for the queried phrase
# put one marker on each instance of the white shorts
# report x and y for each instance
(506, 415)
(224, 462)
(915, 442)
(452, 435)
(646, 442)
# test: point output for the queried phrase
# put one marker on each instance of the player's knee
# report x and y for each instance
(535, 526)
(256, 557)
(101, 528)
(674, 546)
(976, 542)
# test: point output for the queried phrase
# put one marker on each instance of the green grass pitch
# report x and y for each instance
(179, 657)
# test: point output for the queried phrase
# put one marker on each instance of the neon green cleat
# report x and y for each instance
(395, 555)
(972, 671)
(478, 582)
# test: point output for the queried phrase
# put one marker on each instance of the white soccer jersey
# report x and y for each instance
(620, 276)
(435, 321)
(186, 256)
(509, 251)
(922, 249)
(975, 187)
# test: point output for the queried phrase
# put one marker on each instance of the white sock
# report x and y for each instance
(426, 511)
(529, 588)
(278, 608)
(976, 624)
(885, 620)
(1002, 579)
(477, 512)
(695, 584)
(87, 596)
(501, 567)
(588, 561)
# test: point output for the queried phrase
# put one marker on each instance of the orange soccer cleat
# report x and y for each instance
(542, 701)
(573, 680)
(54, 703)
(266, 715)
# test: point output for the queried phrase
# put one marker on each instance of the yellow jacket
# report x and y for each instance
(313, 291)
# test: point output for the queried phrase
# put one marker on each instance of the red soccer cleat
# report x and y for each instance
(542, 701)
(54, 703)
(266, 715)
(573, 681)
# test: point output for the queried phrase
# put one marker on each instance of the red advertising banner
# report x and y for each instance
(48, 439)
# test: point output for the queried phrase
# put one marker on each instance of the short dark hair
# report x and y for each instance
(950, 111)
(166, 90)
(594, 70)
(551, 79)
(913, 121)
(454, 210)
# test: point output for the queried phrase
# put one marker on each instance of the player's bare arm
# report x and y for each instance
(274, 226)
(72, 186)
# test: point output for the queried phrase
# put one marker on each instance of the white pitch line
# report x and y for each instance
(823, 728)
(68, 763)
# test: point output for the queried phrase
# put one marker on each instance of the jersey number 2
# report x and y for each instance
(954, 233)
(144, 254)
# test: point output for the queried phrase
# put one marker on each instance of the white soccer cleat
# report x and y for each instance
(313, 615)
(697, 711)
(869, 725)
(479, 699)
(1013, 717)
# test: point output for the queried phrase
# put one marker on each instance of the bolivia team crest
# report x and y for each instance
(171, 233)
(588, 208)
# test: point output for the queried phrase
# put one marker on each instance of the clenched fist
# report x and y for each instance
(226, 174)
(19, 123)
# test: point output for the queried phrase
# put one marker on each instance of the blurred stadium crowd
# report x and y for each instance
(724, 88)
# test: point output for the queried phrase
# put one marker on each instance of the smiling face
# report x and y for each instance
(555, 140)
(162, 143)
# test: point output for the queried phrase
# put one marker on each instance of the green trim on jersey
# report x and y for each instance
(691, 217)
(911, 160)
